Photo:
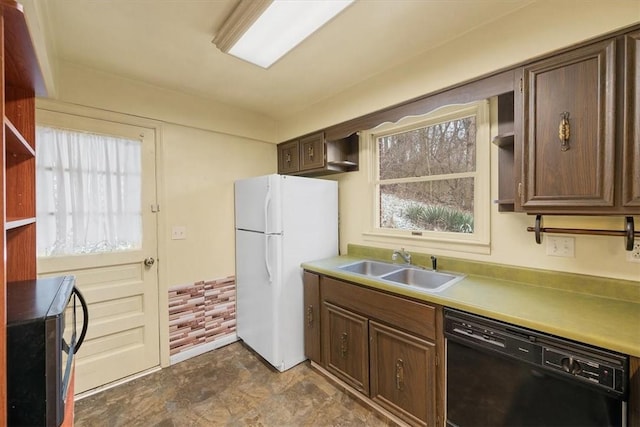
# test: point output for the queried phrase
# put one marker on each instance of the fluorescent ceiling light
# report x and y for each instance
(280, 28)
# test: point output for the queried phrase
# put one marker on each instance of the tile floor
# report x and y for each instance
(229, 386)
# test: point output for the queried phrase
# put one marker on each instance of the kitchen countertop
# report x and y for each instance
(605, 321)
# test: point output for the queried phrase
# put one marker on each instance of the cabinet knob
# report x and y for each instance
(310, 151)
(564, 130)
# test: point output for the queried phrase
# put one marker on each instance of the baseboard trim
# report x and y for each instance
(202, 348)
(121, 381)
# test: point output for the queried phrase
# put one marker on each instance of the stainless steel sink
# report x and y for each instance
(424, 279)
(370, 268)
(403, 275)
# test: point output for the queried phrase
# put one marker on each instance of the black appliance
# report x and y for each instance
(41, 343)
(504, 375)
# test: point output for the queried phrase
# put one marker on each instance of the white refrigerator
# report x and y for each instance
(281, 221)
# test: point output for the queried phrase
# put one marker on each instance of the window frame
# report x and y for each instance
(479, 240)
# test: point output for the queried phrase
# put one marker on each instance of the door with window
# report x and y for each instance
(96, 189)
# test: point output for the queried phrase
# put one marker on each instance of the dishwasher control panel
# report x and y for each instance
(607, 374)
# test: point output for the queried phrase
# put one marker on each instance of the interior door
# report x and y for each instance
(121, 287)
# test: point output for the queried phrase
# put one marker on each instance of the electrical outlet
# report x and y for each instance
(178, 232)
(560, 246)
(634, 254)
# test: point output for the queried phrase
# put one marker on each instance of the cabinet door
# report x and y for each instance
(312, 349)
(631, 150)
(579, 174)
(403, 374)
(288, 157)
(345, 345)
(312, 152)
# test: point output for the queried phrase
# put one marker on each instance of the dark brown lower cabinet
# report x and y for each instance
(381, 346)
(403, 374)
(345, 344)
(311, 287)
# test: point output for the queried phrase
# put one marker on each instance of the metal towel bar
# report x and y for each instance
(629, 233)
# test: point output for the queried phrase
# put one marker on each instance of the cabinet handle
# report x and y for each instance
(399, 374)
(288, 158)
(310, 315)
(344, 346)
(564, 130)
(310, 151)
(521, 193)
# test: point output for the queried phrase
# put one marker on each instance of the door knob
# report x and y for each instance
(148, 262)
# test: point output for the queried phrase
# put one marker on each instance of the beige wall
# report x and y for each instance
(534, 30)
(199, 168)
(84, 86)
(202, 148)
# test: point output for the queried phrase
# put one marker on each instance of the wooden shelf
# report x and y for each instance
(21, 68)
(505, 141)
(20, 81)
(15, 142)
(12, 223)
(343, 163)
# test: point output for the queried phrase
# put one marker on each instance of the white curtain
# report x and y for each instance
(88, 193)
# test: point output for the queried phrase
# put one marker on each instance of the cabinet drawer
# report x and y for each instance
(411, 316)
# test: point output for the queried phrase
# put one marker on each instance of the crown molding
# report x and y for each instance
(238, 21)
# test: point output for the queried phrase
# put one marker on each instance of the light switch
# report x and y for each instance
(178, 232)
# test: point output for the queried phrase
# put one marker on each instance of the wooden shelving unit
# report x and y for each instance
(22, 82)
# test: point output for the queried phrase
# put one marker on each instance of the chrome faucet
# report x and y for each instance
(406, 256)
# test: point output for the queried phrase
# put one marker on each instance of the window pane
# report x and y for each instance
(441, 205)
(443, 148)
(88, 193)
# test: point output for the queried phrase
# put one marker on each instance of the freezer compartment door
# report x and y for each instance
(258, 204)
(257, 291)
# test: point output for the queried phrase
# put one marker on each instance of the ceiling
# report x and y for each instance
(167, 43)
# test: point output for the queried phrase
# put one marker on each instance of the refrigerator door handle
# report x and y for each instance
(266, 257)
(267, 202)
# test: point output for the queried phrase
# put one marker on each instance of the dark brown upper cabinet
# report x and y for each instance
(289, 157)
(313, 155)
(569, 144)
(631, 149)
(578, 125)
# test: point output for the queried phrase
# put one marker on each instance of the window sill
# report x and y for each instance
(431, 242)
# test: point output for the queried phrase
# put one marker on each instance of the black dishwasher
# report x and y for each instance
(503, 375)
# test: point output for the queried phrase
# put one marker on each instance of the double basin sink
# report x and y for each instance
(403, 275)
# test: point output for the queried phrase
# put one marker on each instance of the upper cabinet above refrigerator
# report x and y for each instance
(314, 155)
